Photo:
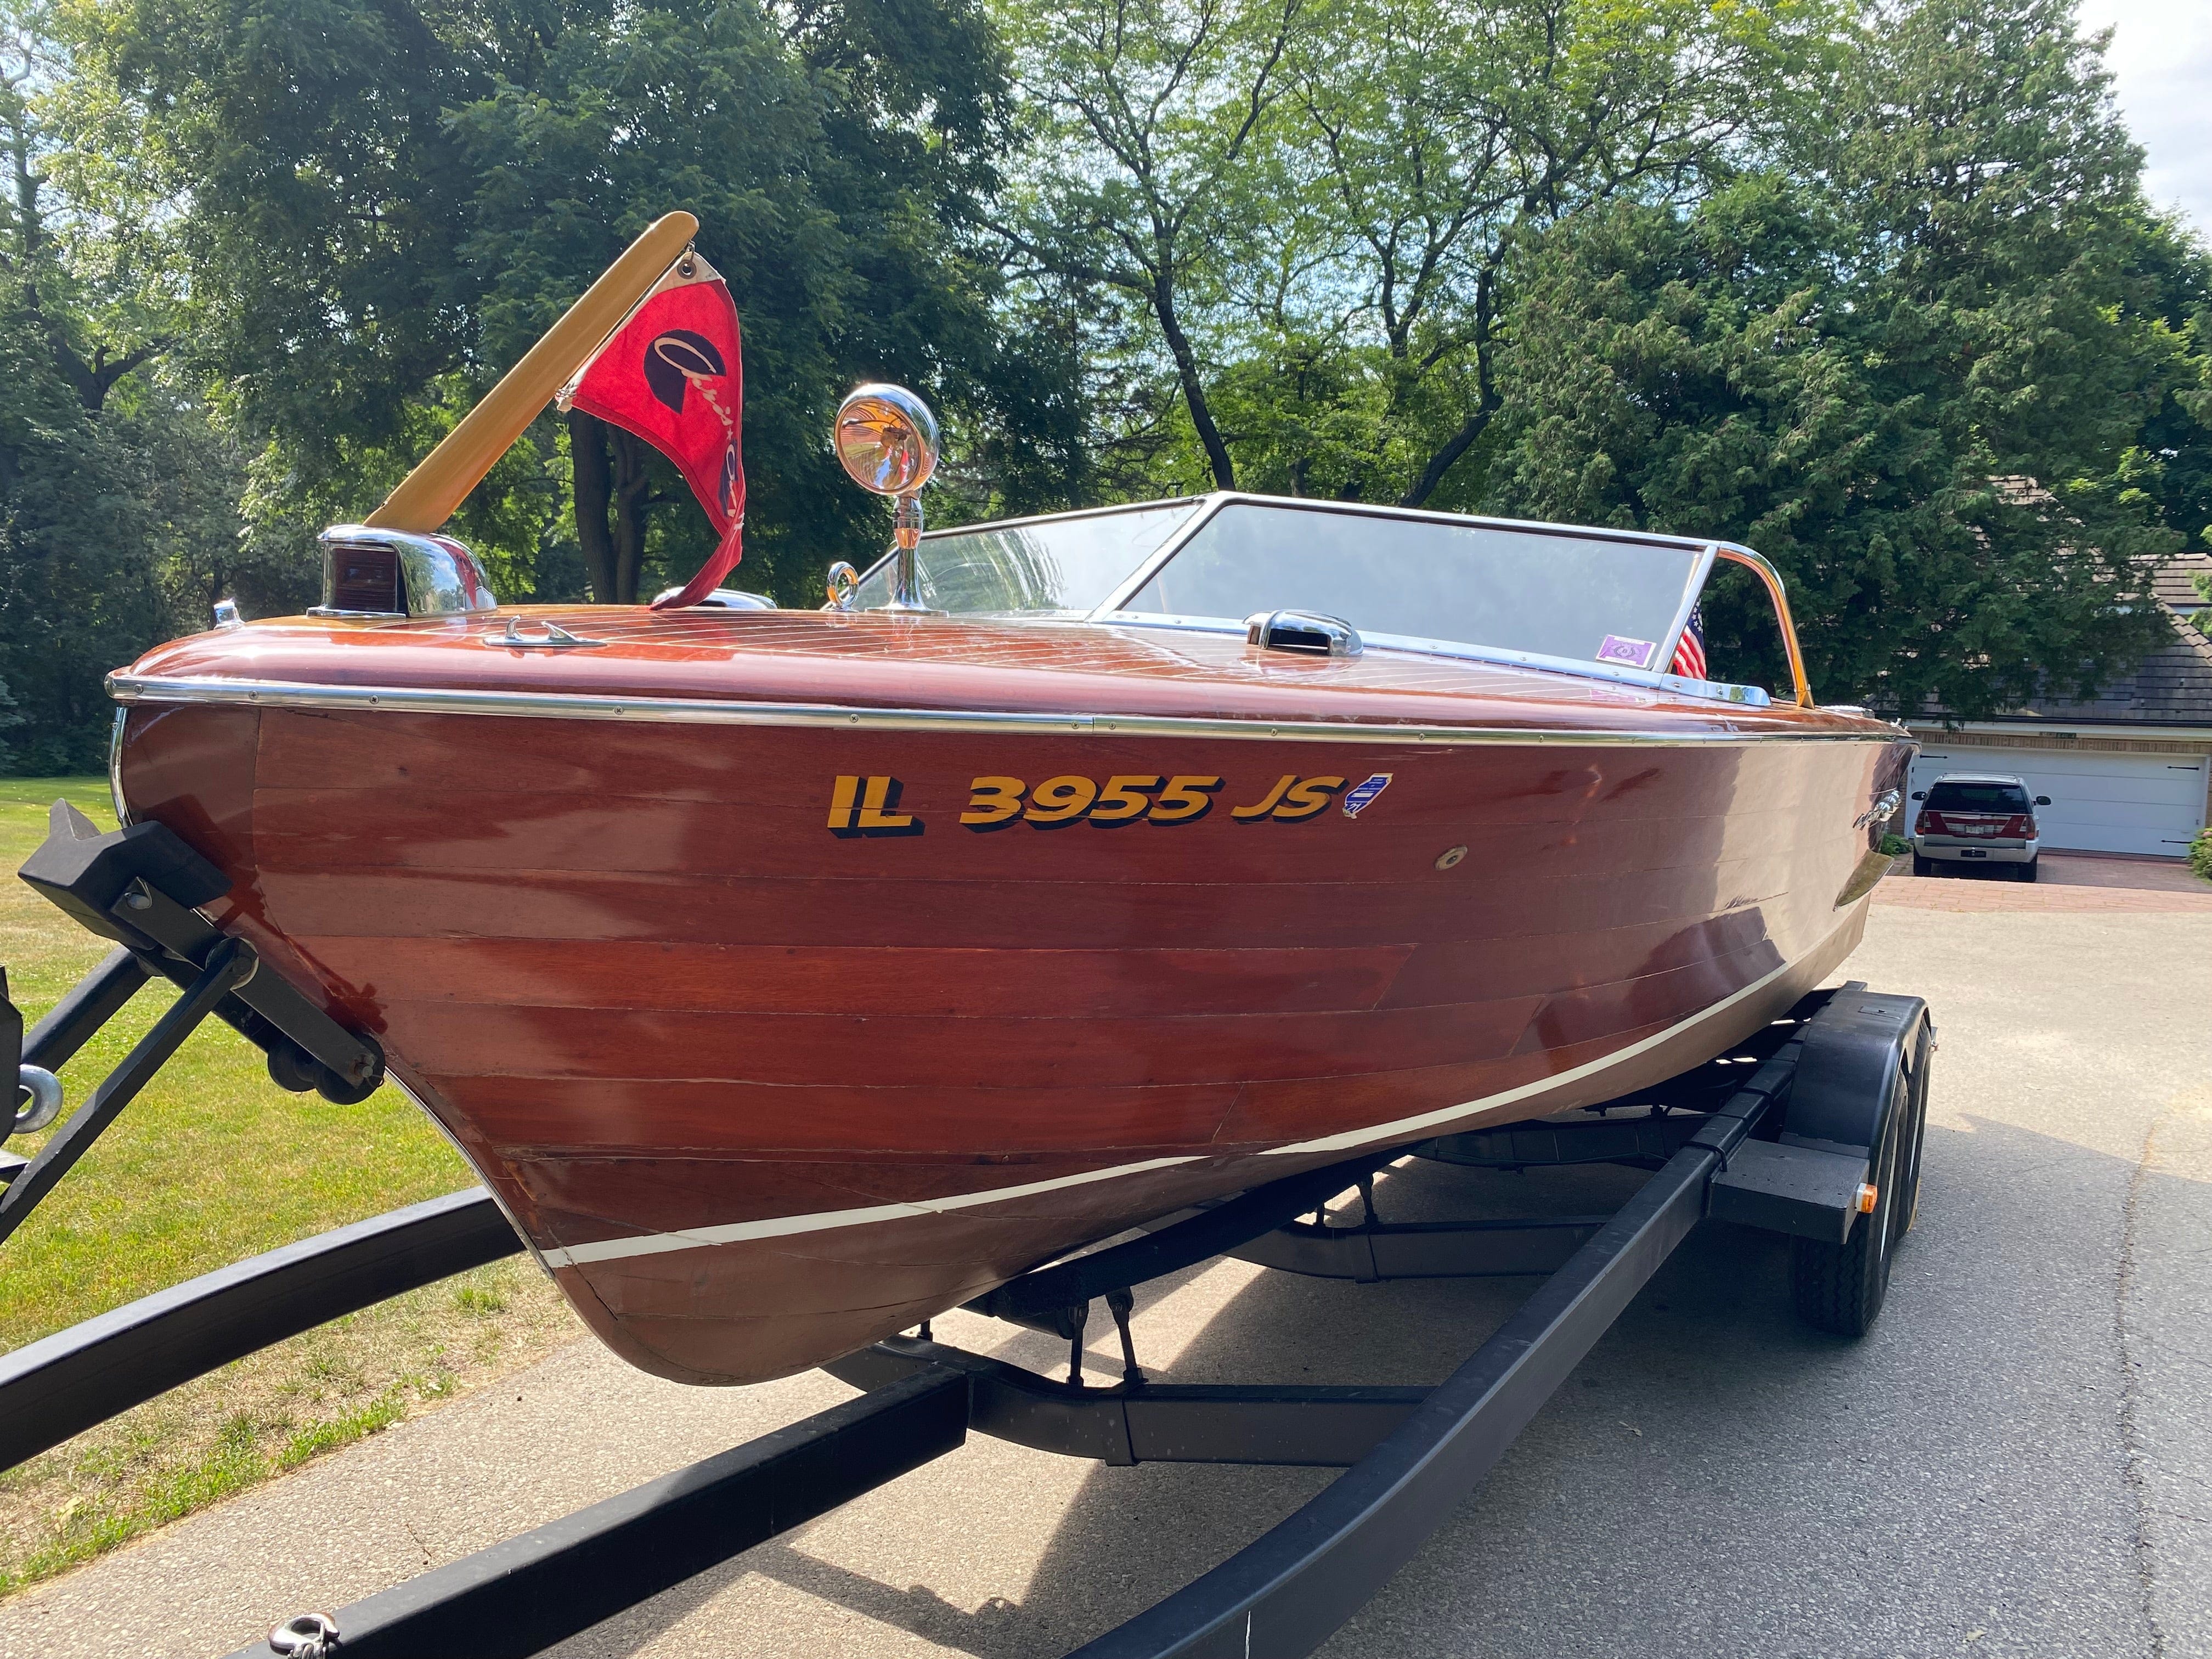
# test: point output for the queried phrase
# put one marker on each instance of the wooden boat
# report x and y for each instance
(792, 976)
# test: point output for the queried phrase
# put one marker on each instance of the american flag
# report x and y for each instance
(1690, 649)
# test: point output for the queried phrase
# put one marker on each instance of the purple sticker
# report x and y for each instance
(1636, 654)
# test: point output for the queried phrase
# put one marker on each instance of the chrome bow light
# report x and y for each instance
(886, 441)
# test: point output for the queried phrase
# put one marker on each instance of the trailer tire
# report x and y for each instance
(1840, 1288)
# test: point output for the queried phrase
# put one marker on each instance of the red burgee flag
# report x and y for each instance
(672, 375)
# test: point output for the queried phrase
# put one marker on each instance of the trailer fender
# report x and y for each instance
(1857, 1069)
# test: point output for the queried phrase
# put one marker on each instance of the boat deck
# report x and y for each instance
(864, 661)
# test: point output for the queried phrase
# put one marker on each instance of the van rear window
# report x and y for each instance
(1977, 798)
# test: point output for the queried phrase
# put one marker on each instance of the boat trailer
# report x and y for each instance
(1812, 1128)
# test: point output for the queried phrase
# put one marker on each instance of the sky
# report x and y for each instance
(2161, 62)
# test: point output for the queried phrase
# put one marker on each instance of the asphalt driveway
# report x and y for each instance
(2017, 1461)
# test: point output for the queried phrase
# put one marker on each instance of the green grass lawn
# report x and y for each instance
(211, 1162)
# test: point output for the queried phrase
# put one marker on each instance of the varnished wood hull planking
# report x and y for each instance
(649, 993)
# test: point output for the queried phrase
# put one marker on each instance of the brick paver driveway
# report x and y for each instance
(2066, 881)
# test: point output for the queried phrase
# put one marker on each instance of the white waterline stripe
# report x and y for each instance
(783, 1225)
(561, 705)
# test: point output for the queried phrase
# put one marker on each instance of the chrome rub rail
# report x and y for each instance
(130, 688)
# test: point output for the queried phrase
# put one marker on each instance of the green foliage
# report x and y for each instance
(1305, 210)
(117, 492)
(2200, 853)
(1922, 388)
(442, 183)
(1872, 288)
(104, 516)
(1869, 286)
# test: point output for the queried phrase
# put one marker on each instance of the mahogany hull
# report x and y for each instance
(759, 1089)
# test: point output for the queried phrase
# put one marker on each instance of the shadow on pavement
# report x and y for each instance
(1715, 1477)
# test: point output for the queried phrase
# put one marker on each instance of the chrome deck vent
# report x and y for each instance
(1305, 631)
(387, 575)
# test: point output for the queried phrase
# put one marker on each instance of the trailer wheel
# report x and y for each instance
(1840, 1288)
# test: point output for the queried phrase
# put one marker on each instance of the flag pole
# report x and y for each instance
(427, 496)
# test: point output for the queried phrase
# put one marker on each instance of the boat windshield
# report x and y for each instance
(1584, 598)
(1066, 565)
(1580, 596)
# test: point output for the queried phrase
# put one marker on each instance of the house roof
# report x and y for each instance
(2173, 684)
(2175, 582)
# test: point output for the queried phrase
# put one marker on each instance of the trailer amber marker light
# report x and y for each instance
(1867, 1195)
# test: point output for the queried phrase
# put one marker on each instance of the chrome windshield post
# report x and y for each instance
(1693, 591)
(1759, 564)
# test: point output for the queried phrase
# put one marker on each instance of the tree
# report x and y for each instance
(114, 481)
(1919, 378)
(390, 205)
(1456, 136)
(88, 265)
(1314, 203)
(1151, 126)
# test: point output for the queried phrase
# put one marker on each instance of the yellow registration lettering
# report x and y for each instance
(876, 802)
(1185, 800)
(1061, 801)
(868, 806)
(1307, 798)
(992, 801)
(1261, 809)
(1124, 800)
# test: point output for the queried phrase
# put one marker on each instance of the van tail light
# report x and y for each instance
(2012, 826)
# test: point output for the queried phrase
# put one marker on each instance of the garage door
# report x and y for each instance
(2101, 802)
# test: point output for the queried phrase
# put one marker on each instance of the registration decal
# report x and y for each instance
(873, 806)
(1358, 798)
(867, 806)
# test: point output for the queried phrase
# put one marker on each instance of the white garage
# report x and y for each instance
(2100, 801)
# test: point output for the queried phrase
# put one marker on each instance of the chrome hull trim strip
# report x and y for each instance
(1377, 1136)
(561, 705)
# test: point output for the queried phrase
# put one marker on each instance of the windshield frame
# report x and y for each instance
(1212, 504)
